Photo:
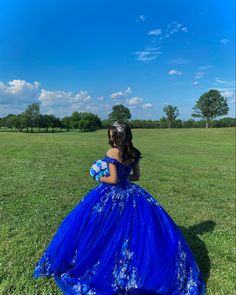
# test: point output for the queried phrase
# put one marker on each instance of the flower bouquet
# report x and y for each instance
(98, 169)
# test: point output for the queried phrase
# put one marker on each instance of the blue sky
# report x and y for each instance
(90, 55)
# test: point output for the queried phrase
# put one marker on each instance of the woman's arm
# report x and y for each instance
(136, 173)
(112, 179)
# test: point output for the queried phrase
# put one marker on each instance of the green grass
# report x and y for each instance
(43, 176)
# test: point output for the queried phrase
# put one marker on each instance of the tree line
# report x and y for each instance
(209, 106)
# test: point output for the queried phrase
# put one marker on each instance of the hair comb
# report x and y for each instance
(118, 126)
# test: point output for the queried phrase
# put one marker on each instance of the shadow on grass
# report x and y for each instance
(198, 247)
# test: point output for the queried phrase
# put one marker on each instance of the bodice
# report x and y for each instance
(123, 170)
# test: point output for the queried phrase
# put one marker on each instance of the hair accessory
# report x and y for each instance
(118, 126)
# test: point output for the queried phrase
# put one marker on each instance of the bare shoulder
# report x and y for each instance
(113, 153)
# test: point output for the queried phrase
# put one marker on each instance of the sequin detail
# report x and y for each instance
(119, 197)
(188, 277)
(43, 267)
(125, 274)
(81, 284)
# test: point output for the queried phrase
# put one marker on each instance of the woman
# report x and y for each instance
(119, 239)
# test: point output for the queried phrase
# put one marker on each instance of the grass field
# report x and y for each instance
(43, 176)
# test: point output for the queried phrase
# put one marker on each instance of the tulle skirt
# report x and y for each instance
(120, 241)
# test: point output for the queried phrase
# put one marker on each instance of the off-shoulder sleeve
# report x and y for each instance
(109, 160)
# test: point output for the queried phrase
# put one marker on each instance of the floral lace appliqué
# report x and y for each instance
(81, 284)
(188, 277)
(43, 267)
(119, 197)
(124, 273)
(78, 285)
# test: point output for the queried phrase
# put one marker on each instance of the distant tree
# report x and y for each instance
(119, 113)
(177, 123)
(57, 123)
(66, 123)
(75, 118)
(46, 121)
(25, 121)
(163, 122)
(32, 114)
(14, 121)
(210, 105)
(10, 121)
(52, 120)
(89, 122)
(171, 113)
(189, 123)
(224, 122)
(41, 122)
(106, 123)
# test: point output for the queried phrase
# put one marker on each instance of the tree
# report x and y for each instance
(66, 123)
(53, 122)
(189, 123)
(163, 122)
(210, 105)
(119, 113)
(32, 114)
(75, 118)
(89, 122)
(105, 123)
(177, 123)
(11, 121)
(171, 113)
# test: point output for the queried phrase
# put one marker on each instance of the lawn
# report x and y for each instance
(191, 173)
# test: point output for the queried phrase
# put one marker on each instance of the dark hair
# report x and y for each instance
(122, 138)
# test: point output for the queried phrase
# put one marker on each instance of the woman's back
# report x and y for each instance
(123, 170)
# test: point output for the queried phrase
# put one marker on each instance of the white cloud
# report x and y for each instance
(206, 67)
(155, 32)
(56, 97)
(59, 98)
(224, 41)
(227, 93)
(152, 53)
(18, 92)
(199, 75)
(147, 106)
(134, 101)
(121, 94)
(174, 72)
(141, 18)
(184, 29)
(173, 28)
(19, 86)
(227, 88)
(82, 96)
(228, 83)
(148, 54)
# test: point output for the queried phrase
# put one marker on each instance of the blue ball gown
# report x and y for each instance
(119, 240)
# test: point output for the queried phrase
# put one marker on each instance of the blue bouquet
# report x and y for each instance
(98, 169)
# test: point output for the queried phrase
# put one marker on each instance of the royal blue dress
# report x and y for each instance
(119, 240)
